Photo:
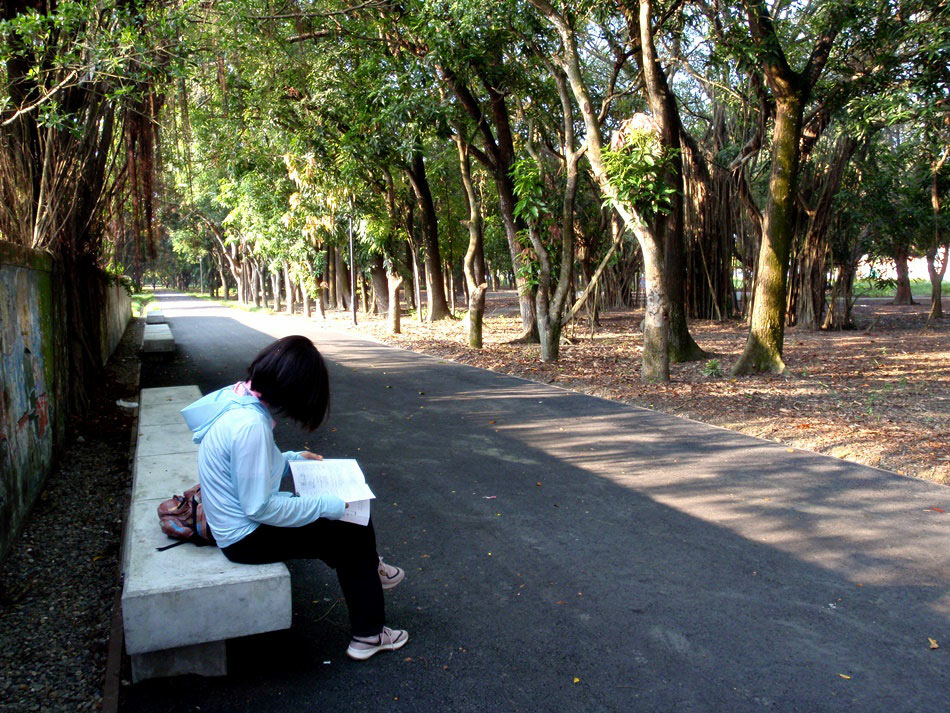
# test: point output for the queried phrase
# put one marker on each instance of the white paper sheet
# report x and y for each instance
(341, 477)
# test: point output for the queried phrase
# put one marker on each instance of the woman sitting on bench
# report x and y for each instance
(253, 522)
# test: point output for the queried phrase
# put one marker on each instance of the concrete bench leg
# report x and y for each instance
(208, 659)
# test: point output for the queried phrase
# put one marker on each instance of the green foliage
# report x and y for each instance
(712, 368)
(529, 189)
(636, 170)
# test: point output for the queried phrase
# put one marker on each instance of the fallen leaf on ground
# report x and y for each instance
(933, 643)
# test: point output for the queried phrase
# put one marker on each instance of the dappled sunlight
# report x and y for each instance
(820, 509)
(877, 397)
(667, 542)
(817, 509)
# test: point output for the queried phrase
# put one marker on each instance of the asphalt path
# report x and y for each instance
(568, 553)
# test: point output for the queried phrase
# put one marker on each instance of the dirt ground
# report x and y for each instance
(878, 395)
(58, 584)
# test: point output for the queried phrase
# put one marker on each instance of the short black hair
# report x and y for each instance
(292, 379)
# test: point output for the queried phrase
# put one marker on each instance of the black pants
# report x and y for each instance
(349, 549)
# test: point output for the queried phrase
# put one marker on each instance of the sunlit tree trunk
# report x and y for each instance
(288, 289)
(275, 290)
(498, 156)
(790, 89)
(473, 265)
(550, 303)
(936, 269)
(305, 299)
(394, 283)
(670, 228)
(656, 358)
(763, 350)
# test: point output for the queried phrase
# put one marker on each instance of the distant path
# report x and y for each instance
(567, 553)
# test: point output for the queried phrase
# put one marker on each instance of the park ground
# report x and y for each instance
(877, 395)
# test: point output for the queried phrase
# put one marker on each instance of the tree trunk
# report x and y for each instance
(342, 282)
(416, 282)
(838, 316)
(811, 272)
(790, 90)
(936, 274)
(364, 289)
(262, 285)
(394, 284)
(449, 286)
(305, 298)
(550, 307)
(288, 290)
(435, 291)
(682, 346)
(331, 277)
(656, 358)
(498, 158)
(763, 350)
(936, 281)
(255, 282)
(473, 265)
(275, 289)
(904, 295)
(377, 272)
(224, 281)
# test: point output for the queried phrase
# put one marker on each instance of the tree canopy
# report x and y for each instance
(740, 158)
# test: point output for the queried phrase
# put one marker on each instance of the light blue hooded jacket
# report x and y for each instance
(240, 468)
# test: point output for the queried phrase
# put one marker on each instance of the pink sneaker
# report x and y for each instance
(362, 647)
(389, 576)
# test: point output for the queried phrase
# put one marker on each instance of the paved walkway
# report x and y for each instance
(566, 553)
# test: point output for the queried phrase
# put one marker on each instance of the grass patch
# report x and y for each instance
(140, 302)
(918, 288)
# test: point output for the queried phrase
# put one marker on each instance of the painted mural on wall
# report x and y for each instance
(33, 374)
(26, 440)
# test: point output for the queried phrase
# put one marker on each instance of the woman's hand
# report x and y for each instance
(310, 456)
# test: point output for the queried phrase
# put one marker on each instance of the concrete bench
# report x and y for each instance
(157, 339)
(180, 605)
(156, 316)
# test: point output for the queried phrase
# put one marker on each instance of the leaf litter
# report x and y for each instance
(878, 395)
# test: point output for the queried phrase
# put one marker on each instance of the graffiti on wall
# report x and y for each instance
(25, 438)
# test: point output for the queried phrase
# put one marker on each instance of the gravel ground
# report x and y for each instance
(58, 584)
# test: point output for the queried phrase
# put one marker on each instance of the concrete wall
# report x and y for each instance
(115, 318)
(33, 375)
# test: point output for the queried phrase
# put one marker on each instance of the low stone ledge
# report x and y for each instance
(157, 339)
(193, 595)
